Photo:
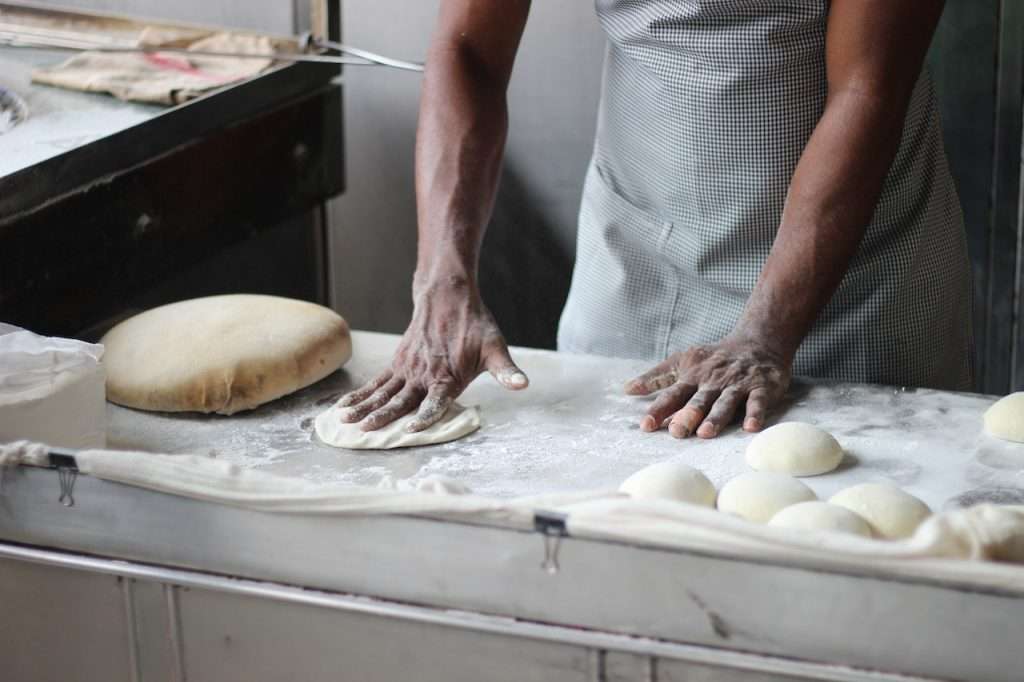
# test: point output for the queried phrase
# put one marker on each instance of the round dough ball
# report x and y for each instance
(1005, 419)
(892, 513)
(821, 516)
(670, 481)
(758, 495)
(222, 354)
(794, 448)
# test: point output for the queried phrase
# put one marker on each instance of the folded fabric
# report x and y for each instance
(983, 545)
(162, 78)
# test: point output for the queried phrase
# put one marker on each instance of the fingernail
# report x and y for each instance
(707, 430)
(513, 378)
(751, 424)
(648, 424)
(678, 430)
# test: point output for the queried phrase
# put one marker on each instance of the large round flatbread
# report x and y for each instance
(222, 354)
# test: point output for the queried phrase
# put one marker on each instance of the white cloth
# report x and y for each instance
(986, 535)
(51, 390)
(162, 78)
(973, 545)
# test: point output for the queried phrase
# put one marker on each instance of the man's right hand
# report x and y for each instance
(451, 340)
(459, 144)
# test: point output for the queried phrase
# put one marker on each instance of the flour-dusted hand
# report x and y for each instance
(460, 140)
(705, 387)
(451, 340)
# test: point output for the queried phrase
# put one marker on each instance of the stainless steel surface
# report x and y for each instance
(61, 120)
(61, 625)
(222, 609)
(690, 597)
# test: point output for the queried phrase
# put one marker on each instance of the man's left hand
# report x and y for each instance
(705, 387)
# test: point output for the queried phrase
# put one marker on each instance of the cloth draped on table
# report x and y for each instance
(706, 108)
(975, 544)
(162, 78)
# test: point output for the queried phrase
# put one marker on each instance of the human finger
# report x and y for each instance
(660, 376)
(374, 401)
(722, 412)
(432, 409)
(758, 403)
(363, 392)
(668, 402)
(504, 370)
(402, 404)
(685, 421)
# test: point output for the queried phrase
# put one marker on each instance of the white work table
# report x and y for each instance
(574, 429)
(142, 583)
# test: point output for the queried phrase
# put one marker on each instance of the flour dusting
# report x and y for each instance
(575, 429)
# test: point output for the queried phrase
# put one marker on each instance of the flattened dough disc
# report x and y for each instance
(222, 354)
(457, 422)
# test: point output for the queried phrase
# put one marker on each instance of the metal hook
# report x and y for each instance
(550, 563)
(67, 473)
(67, 478)
(552, 526)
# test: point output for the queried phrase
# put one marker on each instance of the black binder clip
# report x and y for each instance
(552, 526)
(67, 473)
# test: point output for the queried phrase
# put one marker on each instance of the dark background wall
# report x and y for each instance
(977, 62)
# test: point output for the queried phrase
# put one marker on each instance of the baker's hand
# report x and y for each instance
(451, 340)
(705, 387)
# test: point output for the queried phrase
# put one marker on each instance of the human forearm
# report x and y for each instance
(452, 337)
(831, 199)
(461, 136)
(874, 52)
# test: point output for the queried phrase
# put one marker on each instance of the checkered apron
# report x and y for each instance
(705, 111)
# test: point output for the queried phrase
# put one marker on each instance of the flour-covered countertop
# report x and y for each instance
(574, 429)
(59, 120)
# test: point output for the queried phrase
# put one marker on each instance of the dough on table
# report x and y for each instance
(222, 354)
(670, 481)
(457, 422)
(758, 495)
(1005, 419)
(892, 513)
(794, 448)
(821, 516)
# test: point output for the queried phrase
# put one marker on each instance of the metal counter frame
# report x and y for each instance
(614, 611)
